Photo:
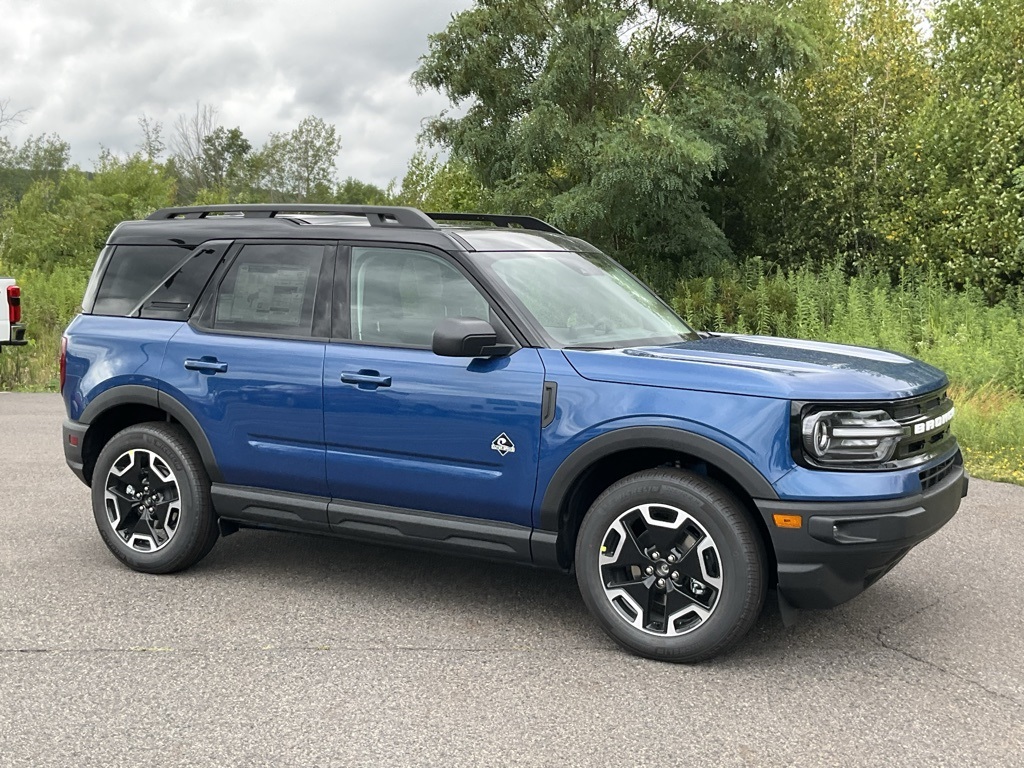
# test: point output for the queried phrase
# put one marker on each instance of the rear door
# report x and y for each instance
(249, 365)
(407, 428)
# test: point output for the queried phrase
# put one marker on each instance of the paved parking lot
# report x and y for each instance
(281, 649)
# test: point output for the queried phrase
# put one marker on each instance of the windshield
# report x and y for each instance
(585, 300)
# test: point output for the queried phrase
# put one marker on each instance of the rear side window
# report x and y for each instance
(174, 298)
(270, 289)
(132, 272)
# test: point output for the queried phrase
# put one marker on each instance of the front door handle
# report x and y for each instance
(366, 379)
(206, 365)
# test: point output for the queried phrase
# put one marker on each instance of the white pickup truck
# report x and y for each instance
(12, 332)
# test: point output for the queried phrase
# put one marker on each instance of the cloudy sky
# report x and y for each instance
(88, 70)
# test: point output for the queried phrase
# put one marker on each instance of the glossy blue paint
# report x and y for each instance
(803, 484)
(101, 356)
(424, 440)
(264, 415)
(765, 367)
(754, 427)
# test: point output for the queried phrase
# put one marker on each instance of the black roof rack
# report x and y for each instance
(376, 215)
(499, 220)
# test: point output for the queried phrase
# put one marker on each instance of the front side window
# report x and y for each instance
(399, 296)
(585, 299)
(270, 289)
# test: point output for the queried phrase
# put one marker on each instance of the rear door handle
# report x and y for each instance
(366, 379)
(206, 365)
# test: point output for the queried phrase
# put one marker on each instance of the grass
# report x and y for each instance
(989, 423)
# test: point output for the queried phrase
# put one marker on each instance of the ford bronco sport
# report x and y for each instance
(487, 385)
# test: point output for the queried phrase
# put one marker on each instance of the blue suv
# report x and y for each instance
(487, 385)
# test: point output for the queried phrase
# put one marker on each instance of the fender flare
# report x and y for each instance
(137, 394)
(627, 438)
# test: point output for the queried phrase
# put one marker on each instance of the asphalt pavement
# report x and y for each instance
(290, 650)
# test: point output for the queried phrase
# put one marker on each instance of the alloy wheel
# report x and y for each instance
(660, 569)
(142, 500)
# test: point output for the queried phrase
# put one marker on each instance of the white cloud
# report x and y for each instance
(87, 71)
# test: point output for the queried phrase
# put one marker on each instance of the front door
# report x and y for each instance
(407, 428)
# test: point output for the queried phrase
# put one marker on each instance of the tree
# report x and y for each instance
(152, 144)
(63, 222)
(9, 116)
(968, 190)
(223, 160)
(432, 185)
(301, 164)
(613, 117)
(352, 191)
(842, 189)
(187, 147)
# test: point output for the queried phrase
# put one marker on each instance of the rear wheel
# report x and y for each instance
(151, 499)
(671, 566)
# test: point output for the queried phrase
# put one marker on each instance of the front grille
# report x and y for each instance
(935, 475)
(919, 412)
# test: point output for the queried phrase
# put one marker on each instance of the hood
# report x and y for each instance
(765, 366)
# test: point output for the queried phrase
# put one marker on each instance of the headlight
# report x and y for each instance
(851, 437)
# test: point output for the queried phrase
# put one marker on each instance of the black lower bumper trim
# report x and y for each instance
(73, 435)
(844, 547)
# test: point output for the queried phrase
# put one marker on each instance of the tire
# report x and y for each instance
(671, 566)
(151, 499)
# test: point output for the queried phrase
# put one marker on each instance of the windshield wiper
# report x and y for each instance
(592, 347)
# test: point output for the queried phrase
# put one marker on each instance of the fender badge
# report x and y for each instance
(503, 445)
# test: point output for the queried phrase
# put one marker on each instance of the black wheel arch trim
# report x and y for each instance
(139, 394)
(628, 438)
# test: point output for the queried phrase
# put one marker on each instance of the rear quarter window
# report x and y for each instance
(132, 272)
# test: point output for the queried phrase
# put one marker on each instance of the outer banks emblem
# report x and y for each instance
(503, 445)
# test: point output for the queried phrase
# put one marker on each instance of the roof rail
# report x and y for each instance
(376, 215)
(499, 220)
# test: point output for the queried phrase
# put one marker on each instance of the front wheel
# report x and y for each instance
(151, 499)
(671, 566)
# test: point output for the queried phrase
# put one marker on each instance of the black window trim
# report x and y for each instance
(507, 331)
(224, 246)
(201, 320)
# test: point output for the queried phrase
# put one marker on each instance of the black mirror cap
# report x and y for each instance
(467, 337)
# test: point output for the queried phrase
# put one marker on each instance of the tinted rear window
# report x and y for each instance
(132, 272)
(174, 299)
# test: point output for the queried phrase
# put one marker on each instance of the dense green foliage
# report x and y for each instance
(970, 173)
(613, 118)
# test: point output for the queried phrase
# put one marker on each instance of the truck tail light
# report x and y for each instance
(14, 303)
(63, 361)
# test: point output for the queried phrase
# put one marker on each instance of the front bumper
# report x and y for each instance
(842, 548)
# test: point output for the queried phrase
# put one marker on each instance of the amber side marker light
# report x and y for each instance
(788, 521)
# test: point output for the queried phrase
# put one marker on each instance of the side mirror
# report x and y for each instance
(467, 337)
